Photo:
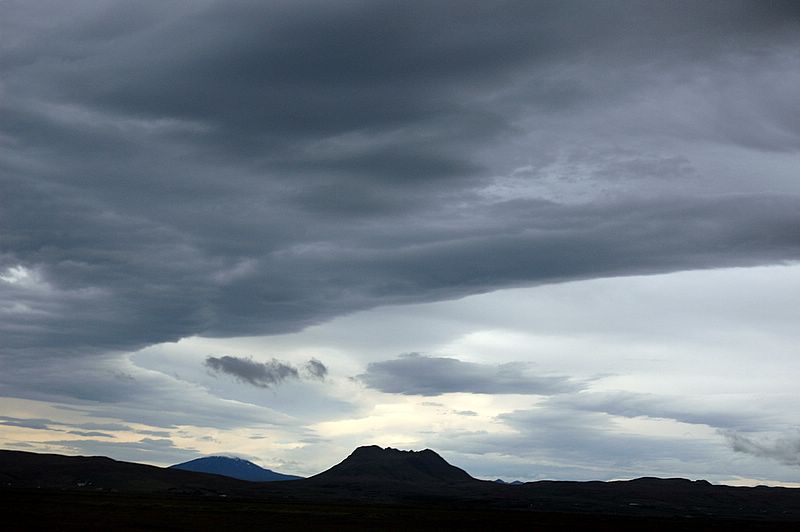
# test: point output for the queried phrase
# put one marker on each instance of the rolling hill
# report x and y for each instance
(19, 469)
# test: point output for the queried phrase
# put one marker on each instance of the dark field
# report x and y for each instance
(73, 510)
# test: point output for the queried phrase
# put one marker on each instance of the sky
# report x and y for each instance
(547, 239)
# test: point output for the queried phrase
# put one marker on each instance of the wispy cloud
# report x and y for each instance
(316, 369)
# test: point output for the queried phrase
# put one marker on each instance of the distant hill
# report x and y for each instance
(234, 468)
(372, 463)
(512, 483)
(19, 469)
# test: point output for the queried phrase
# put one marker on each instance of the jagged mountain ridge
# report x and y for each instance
(373, 463)
(233, 467)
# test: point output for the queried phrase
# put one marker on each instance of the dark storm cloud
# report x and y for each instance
(262, 374)
(785, 449)
(239, 168)
(415, 374)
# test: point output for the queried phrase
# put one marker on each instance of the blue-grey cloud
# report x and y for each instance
(316, 369)
(784, 449)
(27, 423)
(103, 426)
(631, 404)
(262, 374)
(415, 374)
(158, 433)
(90, 434)
(147, 450)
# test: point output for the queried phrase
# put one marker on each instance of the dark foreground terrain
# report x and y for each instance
(372, 489)
(86, 511)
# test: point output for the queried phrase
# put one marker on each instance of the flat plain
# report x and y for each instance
(25, 510)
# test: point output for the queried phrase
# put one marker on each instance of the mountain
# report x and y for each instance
(19, 469)
(234, 468)
(374, 464)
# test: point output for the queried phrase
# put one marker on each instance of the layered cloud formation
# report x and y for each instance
(229, 169)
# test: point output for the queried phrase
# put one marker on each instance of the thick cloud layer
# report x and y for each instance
(228, 168)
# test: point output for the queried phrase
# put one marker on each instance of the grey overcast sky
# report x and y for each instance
(549, 239)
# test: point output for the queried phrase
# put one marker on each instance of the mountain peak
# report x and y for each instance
(232, 466)
(376, 450)
(373, 463)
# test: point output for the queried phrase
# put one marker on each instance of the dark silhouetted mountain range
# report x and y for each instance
(407, 479)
